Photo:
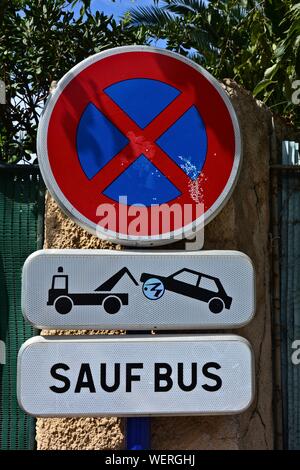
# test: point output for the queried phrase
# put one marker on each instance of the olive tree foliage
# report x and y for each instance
(40, 40)
(257, 43)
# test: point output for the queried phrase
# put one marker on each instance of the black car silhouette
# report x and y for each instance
(216, 297)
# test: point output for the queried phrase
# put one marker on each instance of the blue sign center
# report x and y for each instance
(98, 141)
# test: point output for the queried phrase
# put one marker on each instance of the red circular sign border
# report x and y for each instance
(222, 134)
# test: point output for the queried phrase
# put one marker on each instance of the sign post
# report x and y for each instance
(138, 430)
(138, 433)
(140, 146)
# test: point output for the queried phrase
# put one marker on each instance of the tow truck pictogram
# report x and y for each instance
(63, 300)
(216, 298)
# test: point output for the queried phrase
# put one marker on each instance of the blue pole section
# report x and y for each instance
(138, 430)
(138, 433)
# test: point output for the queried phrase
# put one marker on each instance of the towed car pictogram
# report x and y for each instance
(215, 296)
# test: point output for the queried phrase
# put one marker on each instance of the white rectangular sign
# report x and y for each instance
(105, 289)
(134, 375)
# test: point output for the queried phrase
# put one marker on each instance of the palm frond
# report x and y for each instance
(239, 13)
(201, 40)
(183, 7)
(150, 16)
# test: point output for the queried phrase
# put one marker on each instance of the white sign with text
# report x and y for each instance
(135, 375)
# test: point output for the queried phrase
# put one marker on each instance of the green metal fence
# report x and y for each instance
(289, 210)
(21, 233)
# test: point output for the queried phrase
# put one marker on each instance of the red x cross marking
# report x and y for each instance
(142, 141)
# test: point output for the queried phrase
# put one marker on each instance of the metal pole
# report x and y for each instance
(138, 433)
(138, 430)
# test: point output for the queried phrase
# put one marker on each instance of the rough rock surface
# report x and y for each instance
(243, 225)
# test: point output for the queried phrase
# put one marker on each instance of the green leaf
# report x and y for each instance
(261, 86)
(270, 72)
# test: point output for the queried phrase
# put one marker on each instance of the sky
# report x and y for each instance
(119, 7)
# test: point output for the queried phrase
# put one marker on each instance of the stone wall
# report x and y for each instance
(242, 225)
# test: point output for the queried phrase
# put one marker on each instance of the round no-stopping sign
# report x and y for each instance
(139, 145)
